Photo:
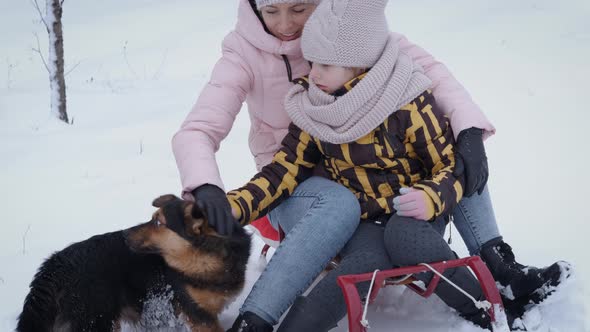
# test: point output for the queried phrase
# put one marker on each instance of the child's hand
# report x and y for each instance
(236, 213)
(414, 203)
(235, 210)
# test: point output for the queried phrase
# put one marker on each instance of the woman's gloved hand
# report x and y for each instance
(471, 160)
(214, 204)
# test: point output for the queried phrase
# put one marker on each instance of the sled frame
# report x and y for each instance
(383, 278)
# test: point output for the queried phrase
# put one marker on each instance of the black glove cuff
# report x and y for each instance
(207, 188)
(470, 133)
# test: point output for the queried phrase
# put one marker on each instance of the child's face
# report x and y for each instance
(286, 20)
(330, 78)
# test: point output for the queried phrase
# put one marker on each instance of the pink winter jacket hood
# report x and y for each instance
(253, 69)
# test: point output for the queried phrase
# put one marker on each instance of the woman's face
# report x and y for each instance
(331, 78)
(286, 20)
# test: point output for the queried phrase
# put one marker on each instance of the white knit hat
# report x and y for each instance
(347, 33)
(262, 3)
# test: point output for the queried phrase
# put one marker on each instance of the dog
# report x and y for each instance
(107, 280)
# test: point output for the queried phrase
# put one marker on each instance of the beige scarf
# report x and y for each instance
(393, 82)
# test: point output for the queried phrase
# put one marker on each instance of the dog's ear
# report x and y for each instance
(162, 200)
(194, 219)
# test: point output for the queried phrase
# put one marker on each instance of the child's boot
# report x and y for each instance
(463, 278)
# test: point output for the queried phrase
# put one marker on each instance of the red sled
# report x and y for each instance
(388, 277)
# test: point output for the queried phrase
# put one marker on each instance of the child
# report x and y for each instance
(366, 119)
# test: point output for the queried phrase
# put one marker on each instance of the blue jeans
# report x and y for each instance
(475, 220)
(318, 219)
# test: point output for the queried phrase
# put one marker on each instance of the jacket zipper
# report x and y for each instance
(288, 65)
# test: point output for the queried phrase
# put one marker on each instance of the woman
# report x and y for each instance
(260, 59)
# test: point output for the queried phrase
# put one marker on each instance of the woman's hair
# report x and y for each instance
(259, 15)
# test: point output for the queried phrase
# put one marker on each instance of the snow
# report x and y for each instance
(143, 63)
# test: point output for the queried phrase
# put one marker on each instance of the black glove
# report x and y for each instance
(214, 204)
(471, 160)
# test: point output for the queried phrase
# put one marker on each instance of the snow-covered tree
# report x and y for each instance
(55, 63)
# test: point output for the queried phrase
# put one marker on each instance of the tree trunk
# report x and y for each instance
(56, 60)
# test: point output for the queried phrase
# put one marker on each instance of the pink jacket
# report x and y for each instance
(252, 69)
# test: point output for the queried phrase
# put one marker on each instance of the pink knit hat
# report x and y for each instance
(347, 33)
(262, 3)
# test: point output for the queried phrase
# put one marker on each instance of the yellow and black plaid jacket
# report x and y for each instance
(412, 147)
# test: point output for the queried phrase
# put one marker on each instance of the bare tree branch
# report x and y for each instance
(72, 69)
(38, 50)
(36, 5)
(127, 61)
(10, 67)
(25, 239)
(158, 71)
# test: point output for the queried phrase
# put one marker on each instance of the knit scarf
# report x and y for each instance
(393, 82)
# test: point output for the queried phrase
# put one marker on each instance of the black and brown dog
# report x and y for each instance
(97, 284)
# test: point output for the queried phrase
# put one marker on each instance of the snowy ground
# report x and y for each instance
(142, 64)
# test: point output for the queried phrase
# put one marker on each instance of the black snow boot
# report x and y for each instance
(480, 318)
(250, 322)
(306, 315)
(463, 278)
(521, 284)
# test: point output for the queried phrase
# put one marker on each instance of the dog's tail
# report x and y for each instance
(40, 307)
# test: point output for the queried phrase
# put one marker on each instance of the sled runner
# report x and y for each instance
(403, 276)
